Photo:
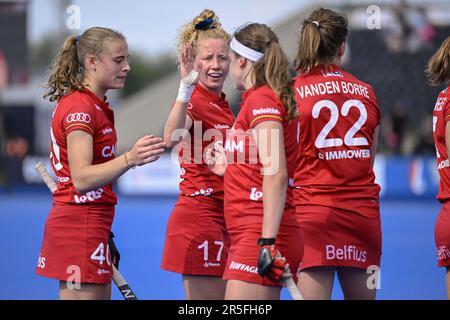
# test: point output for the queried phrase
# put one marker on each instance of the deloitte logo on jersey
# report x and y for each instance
(260, 111)
(89, 196)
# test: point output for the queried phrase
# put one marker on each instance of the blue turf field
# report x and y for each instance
(408, 269)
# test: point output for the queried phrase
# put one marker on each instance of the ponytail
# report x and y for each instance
(322, 34)
(438, 68)
(308, 48)
(272, 69)
(66, 72)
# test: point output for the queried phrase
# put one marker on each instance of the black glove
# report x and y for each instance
(270, 261)
(115, 255)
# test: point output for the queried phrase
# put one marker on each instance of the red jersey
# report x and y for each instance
(338, 117)
(86, 112)
(211, 117)
(441, 116)
(243, 177)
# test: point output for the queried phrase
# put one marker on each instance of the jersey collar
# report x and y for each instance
(103, 104)
(220, 100)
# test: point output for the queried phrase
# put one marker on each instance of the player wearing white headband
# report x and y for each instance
(259, 211)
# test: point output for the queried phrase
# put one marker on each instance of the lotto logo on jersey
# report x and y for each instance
(78, 117)
(203, 192)
(63, 179)
(255, 195)
(260, 111)
(89, 196)
(443, 164)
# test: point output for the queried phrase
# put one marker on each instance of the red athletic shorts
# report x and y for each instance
(336, 237)
(442, 235)
(75, 246)
(196, 238)
(243, 256)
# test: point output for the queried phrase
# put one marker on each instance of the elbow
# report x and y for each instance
(169, 143)
(168, 140)
(80, 186)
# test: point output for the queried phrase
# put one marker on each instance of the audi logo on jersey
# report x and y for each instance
(78, 117)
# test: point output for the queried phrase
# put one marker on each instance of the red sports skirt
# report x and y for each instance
(243, 257)
(336, 237)
(196, 241)
(442, 235)
(75, 246)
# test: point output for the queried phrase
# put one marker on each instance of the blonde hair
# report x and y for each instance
(273, 68)
(205, 26)
(322, 34)
(67, 71)
(438, 68)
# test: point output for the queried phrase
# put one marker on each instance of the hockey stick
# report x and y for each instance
(290, 284)
(292, 288)
(119, 280)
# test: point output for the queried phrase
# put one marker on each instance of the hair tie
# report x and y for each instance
(205, 24)
(78, 39)
(316, 23)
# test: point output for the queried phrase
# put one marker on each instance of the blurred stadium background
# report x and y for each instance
(391, 57)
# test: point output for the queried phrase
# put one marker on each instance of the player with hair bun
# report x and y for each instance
(337, 199)
(196, 243)
(438, 71)
(75, 247)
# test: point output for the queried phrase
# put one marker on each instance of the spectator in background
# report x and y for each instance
(423, 142)
(411, 30)
(395, 127)
(3, 71)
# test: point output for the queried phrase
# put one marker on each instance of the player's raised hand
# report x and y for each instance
(147, 149)
(189, 70)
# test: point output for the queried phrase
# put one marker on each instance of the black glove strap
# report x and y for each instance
(266, 241)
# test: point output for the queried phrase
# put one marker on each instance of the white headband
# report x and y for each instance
(244, 51)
